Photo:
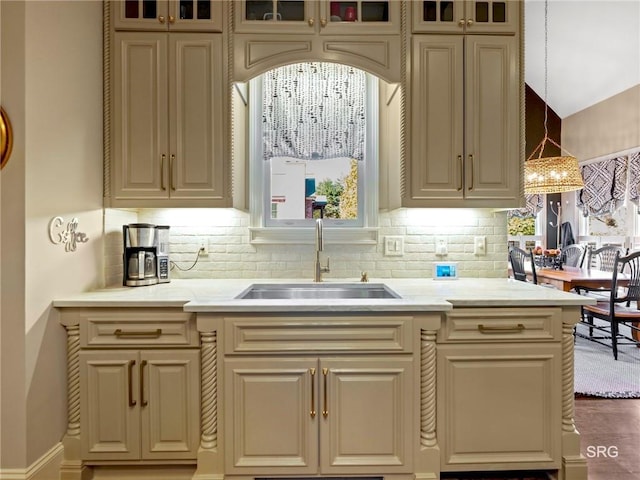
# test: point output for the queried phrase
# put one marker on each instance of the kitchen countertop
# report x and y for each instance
(202, 295)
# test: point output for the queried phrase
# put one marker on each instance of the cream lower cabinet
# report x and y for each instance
(134, 380)
(319, 396)
(499, 389)
(308, 416)
(139, 405)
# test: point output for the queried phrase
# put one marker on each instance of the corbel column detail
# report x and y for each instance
(428, 388)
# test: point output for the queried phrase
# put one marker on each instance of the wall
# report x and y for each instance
(225, 232)
(51, 67)
(610, 126)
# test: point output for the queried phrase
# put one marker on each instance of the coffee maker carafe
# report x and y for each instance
(139, 259)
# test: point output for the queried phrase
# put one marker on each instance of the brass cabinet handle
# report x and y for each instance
(323, 22)
(469, 23)
(143, 402)
(172, 19)
(171, 176)
(132, 402)
(161, 19)
(461, 22)
(471, 183)
(461, 162)
(137, 333)
(325, 412)
(507, 328)
(162, 158)
(312, 371)
(311, 22)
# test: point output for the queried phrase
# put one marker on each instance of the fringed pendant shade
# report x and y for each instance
(551, 174)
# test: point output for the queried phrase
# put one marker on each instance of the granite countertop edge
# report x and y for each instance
(417, 295)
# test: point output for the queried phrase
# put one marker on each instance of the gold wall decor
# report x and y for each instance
(6, 138)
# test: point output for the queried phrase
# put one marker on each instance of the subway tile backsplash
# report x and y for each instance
(226, 235)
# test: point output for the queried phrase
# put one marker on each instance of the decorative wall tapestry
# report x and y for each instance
(314, 111)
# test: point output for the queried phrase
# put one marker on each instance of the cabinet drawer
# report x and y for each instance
(137, 328)
(501, 325)
(318, 334)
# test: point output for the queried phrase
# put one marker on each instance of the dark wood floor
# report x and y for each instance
(610, 437)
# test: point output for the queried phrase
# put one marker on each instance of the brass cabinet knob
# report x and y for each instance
(323, 22)
(469, 23)
(172, 19)
(311, 22)
(161, 19)
(461, 22)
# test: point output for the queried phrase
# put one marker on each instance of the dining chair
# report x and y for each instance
(621, 308)
(518, 259)
(573, 255)
(604, 257)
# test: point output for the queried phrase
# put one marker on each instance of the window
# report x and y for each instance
(313, 130)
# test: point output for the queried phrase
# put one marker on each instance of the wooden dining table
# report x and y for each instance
(570, 277)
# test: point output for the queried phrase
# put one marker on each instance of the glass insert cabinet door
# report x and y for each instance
(465, 16)
(178, 15)
(324, 16)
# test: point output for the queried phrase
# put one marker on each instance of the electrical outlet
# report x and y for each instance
(203, 248)
(480, 245)
(393, 246)
(441, 246)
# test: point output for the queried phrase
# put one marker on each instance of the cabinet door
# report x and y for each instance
(170, 404)
(271, 416)
(499, 406)
(492, 119)
(272, 16)
(465, 16)
(196, 97)
(434, 16)
(109, 405)
(359, 17)
(164, 15)
(366, 422)
(492, 16)
(437, 119)
(141, 135)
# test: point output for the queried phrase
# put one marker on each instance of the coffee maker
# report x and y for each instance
(140, 255)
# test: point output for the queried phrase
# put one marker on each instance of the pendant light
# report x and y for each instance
(550, 174)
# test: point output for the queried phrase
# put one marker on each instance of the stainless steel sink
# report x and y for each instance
(288, 291)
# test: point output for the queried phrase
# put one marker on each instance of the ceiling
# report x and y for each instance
(593, 51)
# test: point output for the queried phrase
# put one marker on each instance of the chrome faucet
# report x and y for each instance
(319, 269)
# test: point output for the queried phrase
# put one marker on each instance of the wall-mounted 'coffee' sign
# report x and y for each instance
(67, 235)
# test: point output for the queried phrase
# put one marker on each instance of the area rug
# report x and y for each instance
(597, 374)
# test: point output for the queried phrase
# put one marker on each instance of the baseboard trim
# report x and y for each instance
(40, 469)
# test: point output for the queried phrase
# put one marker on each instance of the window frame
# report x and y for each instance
(261, 231)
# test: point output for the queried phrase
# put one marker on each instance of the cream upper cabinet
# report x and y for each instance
(324, 17)
(168, 121)
(465, 122)
(334, 416)
(372, 41)
(174, 15)
(465, 16)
